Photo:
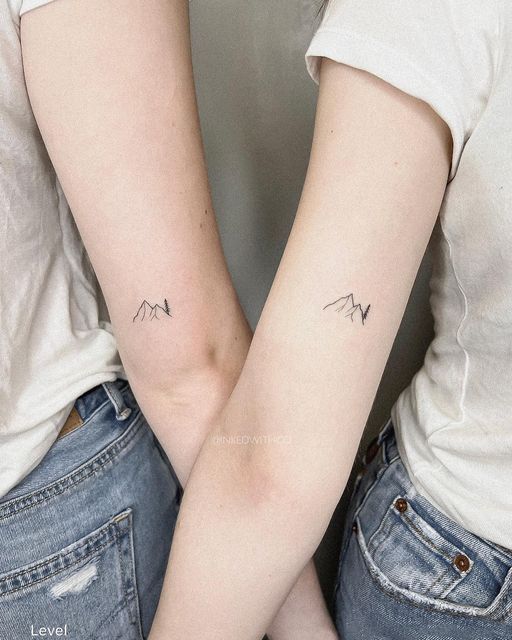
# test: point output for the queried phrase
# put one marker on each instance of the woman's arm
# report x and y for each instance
(268, 478)
(112, 89)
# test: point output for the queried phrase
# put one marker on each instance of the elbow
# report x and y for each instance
(292, 486)
(199, 375)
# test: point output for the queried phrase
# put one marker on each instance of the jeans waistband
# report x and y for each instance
(103, 412)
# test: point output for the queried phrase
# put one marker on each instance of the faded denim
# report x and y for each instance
(84, 538)
(408, 572)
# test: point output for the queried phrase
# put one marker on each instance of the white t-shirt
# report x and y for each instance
(454, 427)
(53, 344)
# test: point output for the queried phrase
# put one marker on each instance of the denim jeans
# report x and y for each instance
(408, 572)
(85, 537)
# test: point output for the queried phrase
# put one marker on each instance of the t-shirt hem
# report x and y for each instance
(360, 51)
(423, 476)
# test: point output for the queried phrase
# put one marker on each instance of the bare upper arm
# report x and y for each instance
(376, 179)
(112, 90)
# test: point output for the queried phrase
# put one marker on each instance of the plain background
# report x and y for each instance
(257, 106)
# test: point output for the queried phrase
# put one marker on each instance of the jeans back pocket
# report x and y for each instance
(86, 591)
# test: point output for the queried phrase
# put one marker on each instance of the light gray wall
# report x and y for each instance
(257, 107)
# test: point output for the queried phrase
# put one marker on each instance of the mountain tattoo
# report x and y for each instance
(148, 311)
(347, 303)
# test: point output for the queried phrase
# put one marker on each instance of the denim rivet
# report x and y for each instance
(401, 505)
(462, 562)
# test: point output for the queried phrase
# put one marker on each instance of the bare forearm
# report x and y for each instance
(304, 615)
(315, 362)
(244, 540)
(182, 422)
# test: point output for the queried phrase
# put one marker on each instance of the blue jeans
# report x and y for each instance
(84, 538)
(408, 572)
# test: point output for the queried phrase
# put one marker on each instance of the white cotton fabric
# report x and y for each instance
(53, 343)
(453, 421)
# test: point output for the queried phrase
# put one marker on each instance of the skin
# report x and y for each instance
(254, 513)
(114, 99)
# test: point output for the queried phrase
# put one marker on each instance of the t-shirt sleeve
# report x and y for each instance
(27, 5)
(19, 7)
(443, 52)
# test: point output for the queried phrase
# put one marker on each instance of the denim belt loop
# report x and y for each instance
(116, 398)
(384, 430)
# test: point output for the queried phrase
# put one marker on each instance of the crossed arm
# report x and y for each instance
(270, 474)
(114, 99)
(112, 89)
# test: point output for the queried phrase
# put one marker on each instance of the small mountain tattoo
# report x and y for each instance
(148, 311)
(347, 303)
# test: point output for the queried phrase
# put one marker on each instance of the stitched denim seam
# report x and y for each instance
(385, 464)
(505, 555)
(440, 606)
(452, 586)
(506, 612)
(385, 525)
(386, 444)
(369, 491)
(115, 535)
(84, 421)
(436, 582)
(123, 604)
(104, 530)
(428, 542)
(378, 476)
(123, 576)
(78, 426)
(134, 598)
(444, 606)
(420, 533)
(402, 598)
(68, 482)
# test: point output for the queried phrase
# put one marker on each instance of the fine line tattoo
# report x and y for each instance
(148, 311)
(347, 303)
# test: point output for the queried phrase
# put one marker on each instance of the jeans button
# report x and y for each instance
(401, 505)
(462, 562)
